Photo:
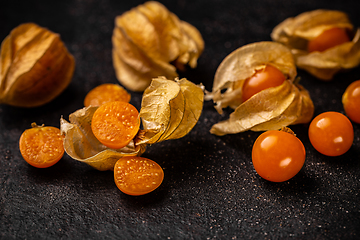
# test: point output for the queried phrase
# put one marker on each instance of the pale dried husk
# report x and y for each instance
(170, 109)
(271, 108)
(35, 66)
(297, 31)
(150, 41)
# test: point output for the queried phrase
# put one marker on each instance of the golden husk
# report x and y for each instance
(150, 41)
(295, 33)
(81, 144)
(35, 66)
(170, 109)
(271, 108)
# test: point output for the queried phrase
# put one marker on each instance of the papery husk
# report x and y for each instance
(35, 66)
(169, 109)
(271, 108)
(241, 64)
(297, 31)
(81, 144)
(150, 41)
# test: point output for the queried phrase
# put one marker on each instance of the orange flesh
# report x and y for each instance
(265, 78)
(41, 147)
(104, 93)
(328, 39)
(137, 175)
(115, 124)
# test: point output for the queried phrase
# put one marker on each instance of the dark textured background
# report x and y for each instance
(210, 190)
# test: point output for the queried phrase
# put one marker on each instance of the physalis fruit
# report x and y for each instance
(41, 146)
(137, 175)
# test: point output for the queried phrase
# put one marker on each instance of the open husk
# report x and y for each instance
(170, 109)
(81, 144)
(150, 41)
(271, 108)
(295, 32)
(35, 66)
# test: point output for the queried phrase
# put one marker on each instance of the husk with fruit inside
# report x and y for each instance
(150, 41)
(295, 32)
(35, 66)
(271, 108)
(81, 144)
(170, 109)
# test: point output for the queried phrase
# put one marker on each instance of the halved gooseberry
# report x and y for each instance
(137, 175)
(115, 124)
(106, 92)
(41, 146)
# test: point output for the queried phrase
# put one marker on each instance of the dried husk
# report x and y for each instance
(297, 31)
(150, 41)
(35, 66)
(81, 144)
(271, 108)
(170, 109)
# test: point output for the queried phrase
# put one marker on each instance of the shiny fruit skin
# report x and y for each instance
(278, 156)
(267, 77)
(331, 133)
(328, 39)
(351, 101)
(137, 175)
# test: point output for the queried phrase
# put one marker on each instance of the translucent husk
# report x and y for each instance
(297, 31)
(35, 66)
(272, 108)
(150, 41)
(170, 109)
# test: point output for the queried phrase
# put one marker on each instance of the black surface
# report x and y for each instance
(210, 190)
